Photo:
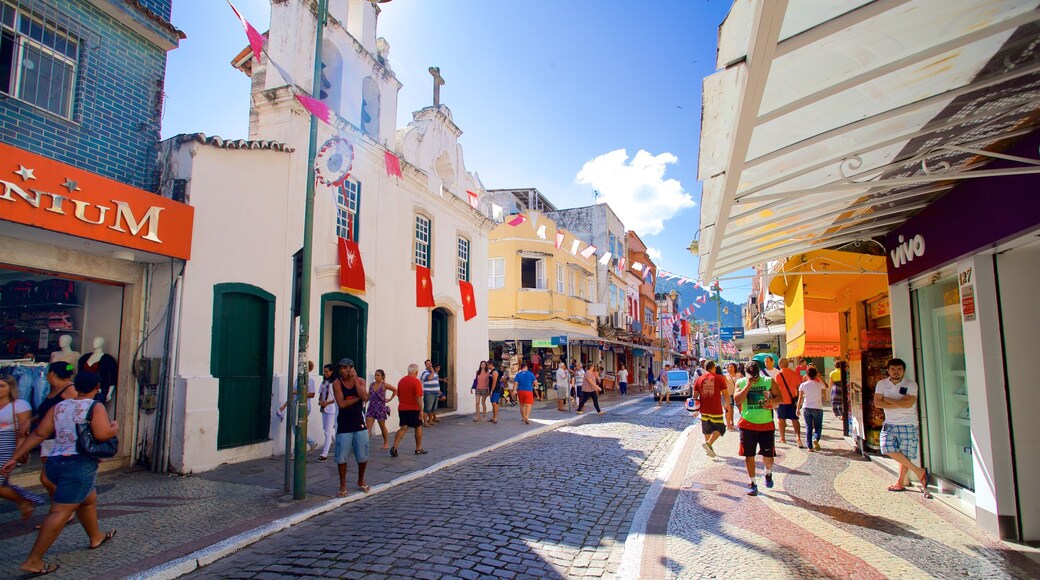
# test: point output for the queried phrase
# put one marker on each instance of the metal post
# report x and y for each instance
(300, 479)
(718, 319)
(290, 416)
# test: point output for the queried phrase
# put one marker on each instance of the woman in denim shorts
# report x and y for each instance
(73, 474)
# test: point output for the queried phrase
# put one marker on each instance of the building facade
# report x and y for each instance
(236, 326)
(82, 231)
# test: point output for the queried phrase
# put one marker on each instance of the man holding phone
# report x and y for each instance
(897, 395)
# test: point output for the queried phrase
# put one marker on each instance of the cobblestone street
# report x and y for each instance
(561, 504)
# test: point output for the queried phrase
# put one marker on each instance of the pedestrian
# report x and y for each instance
(544, 376)
(650, 379)
(897, 396)
(788, 381)
(525, 381)
(410, 409)
(378, 410)
(756, 395)
(536, 362)
(577, 381)
(802, 369)
(710, 390)
(15, 415)
(666, 394)
(328, 409)
(770, 369)
(622, 378)
(481, 390)
(563, 386)
(59, 377)
(351, 432)
(590, 389)
(810, 403)
(732, 376)
(642, 378)
(72, 474)
(837, 397)
(431, 393)
(497, 385)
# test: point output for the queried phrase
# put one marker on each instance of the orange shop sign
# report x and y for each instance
(43, 193)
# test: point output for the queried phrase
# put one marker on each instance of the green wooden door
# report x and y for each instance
(348, 336)
(439, 346)
(243, 341)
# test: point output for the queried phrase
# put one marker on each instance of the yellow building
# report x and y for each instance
(536, 291)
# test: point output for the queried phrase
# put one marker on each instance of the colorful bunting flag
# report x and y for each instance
(574, 248)
(587, 252)
(605, 258)
(559, 240)
(469, 302)
(423, 288)
(256, 40)
(519, 219)
(473, 199)
(621, 263)
(393, 164)
(351, 269)
(316, 107)
(541, 232)
(637, 266)
(703, 298)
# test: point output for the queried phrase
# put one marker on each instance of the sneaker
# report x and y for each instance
(752, 489)
(816, 445)
(708, 449)
(769, 480)
(322, 458)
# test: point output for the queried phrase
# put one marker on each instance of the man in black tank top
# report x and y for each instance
(351, 433)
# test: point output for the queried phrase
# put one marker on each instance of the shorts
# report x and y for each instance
(356, 442)
(483, 393)
(409, 418)
(786, 412)
(709, 426)
(496, 397)
(897, 438)
(757, 443)
(526, 397)
(430, 401)
(73, 475)
(562, 391)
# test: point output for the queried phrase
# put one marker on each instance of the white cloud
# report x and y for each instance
(655, 255)
(636, 190)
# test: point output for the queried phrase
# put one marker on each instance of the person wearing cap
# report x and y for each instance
(351, 430)
(73, 475)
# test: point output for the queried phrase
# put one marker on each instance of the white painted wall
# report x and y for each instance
(1018, 272)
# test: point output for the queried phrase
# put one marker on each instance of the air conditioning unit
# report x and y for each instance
(618, 320)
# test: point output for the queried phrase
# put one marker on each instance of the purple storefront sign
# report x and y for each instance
(975, 215)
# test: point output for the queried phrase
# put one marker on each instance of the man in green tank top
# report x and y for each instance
(756, 396)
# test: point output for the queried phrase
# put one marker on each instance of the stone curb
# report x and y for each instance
(191, 562)
(631, 558)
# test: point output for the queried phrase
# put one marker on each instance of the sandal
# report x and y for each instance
(393, 452)
(896, 487)
(924, 485)
(365, 488)
(341, 493)
(421, 452)
(47, 569)
(111, 534)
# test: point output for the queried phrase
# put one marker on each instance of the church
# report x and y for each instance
(399, 203)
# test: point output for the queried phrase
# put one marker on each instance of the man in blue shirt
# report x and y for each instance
(431, 386)
(525, 381)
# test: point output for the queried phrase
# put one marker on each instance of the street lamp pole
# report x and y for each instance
(718, 319)
(300, 466)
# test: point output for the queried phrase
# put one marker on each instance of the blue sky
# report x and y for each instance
(569, 97)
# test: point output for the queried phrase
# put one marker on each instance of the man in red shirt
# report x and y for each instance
(410, 410)
(710, 390)
(788, 381)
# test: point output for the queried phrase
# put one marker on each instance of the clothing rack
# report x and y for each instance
(22, 362)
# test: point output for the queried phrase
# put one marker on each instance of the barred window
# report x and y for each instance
(348, 201)
(462, 272)
(422, 241)
(39, 56)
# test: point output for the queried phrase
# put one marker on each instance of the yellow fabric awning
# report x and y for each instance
(809, 332)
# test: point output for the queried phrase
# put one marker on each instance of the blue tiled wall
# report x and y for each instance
(116, 120)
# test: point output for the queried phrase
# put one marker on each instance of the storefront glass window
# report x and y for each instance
(939, 352)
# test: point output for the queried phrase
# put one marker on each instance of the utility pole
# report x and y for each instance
(300, 467)
(718, 319)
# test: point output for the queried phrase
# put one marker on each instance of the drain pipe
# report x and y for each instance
(174, 348)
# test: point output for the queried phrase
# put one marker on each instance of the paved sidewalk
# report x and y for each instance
(829, 515)
(162, 517)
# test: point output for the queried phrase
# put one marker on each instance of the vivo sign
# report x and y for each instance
(907, 250)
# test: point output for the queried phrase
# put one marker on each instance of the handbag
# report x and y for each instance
(88, 446)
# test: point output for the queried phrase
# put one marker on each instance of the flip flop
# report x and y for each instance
(896, 487)
(421, 452)
(111, 534)
(47, 569)
(342, 493)
(365, 488)
(924, 486)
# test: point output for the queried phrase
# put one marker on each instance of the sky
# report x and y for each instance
(570, 97)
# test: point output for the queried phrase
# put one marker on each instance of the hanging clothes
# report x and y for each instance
(107, 368)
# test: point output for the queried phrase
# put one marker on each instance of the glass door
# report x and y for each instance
(939, 352)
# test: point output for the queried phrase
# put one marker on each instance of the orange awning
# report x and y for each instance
(809, 332)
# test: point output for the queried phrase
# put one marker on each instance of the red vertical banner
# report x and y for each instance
(351, 269)
(423, 288)
(393, 164)
(469, 302)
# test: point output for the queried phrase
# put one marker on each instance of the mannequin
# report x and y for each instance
(65, 352)
(104, 365)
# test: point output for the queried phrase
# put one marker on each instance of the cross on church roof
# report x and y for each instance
(438, 80)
